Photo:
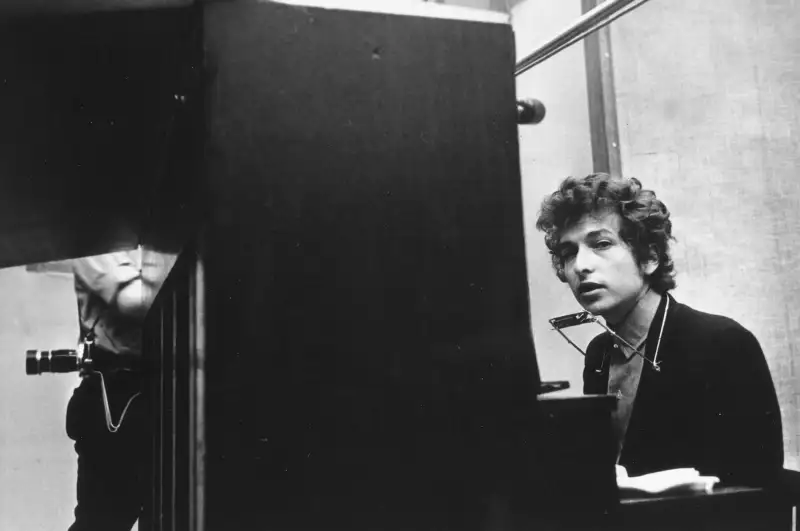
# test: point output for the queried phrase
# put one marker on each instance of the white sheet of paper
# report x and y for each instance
(673, 480)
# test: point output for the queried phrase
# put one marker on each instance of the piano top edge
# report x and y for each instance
(419, 9)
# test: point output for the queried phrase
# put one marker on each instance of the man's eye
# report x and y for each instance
(602, 244)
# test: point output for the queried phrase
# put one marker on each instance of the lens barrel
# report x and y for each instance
(54, 361)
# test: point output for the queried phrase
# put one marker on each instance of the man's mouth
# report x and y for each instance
(587, 287)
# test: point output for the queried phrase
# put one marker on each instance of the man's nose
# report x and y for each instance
(583, 262)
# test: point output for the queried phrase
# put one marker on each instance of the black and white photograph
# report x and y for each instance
(399, 265)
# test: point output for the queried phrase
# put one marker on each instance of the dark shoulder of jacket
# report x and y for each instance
(714, 334)
(594, 382)
(597, 346)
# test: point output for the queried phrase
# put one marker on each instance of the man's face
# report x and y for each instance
(600, 267)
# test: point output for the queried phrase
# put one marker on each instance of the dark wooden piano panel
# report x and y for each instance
(174, 338)
(370, 361)
(577, 443)
(726, 509)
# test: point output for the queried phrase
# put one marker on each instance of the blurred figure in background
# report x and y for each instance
(107, 416)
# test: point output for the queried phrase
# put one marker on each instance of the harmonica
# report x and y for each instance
(573, 319)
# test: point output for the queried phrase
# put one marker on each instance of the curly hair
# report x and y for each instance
(645, 220)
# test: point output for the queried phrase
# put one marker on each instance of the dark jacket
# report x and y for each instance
(712, 406)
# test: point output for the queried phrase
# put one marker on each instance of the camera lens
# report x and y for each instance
(54, 361)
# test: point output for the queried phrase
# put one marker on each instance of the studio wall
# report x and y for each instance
(709, 116)
(38, 466)
(557, 147)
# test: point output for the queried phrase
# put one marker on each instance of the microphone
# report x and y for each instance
(530, 111)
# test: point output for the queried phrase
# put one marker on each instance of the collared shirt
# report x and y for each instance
(625, 371)
(98, 280)
(625, 366)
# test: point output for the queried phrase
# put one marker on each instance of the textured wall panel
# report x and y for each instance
(709, 117)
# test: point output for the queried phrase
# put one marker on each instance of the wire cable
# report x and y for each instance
(113, 428)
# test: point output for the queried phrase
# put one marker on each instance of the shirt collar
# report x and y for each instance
(637, 325)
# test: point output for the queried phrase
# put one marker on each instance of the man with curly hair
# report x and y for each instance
(694, 389)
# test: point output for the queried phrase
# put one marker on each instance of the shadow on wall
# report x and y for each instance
(38, 466)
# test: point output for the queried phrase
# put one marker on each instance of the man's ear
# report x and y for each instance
(649, 267)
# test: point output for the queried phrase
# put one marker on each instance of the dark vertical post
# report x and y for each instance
(604, 128)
